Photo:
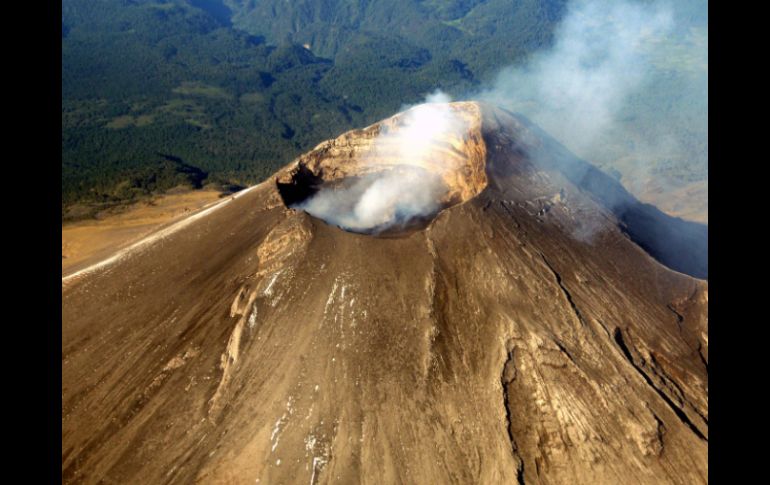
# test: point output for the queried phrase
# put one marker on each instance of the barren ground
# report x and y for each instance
(520, 337)
(88, 241)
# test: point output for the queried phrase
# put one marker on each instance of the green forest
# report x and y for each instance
(158, 93)
(152, 88)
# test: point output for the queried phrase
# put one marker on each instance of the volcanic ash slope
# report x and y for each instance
(520, 336)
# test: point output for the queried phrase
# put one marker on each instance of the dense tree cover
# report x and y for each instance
(147, 78)
(230, 87)
(480, 32)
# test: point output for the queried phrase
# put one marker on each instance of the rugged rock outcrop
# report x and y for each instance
(521, 337)
(458, 157)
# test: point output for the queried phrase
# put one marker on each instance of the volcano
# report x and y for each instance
(533, 324)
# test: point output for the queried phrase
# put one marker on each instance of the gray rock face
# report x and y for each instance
(520, 337)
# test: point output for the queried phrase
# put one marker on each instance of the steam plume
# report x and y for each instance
(625, 84)
(396, 196)
(576, 89)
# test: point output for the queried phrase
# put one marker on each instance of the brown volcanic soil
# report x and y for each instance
(256, 344)
(86, 242)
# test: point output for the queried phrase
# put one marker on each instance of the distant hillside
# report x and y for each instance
(237, 100)
(237, 88)
(477, 32)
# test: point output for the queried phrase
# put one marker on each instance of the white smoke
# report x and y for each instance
(610, 62)
(601, 56)
(624, 86)
(396, 195)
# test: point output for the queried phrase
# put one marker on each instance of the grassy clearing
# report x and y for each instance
(128, 120)
(252, 98)
(189, 111)
(200, 89)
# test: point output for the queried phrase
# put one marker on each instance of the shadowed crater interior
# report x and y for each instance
(392, 201)
(395, 176)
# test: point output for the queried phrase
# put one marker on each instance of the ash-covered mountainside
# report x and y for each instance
(508, 329)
